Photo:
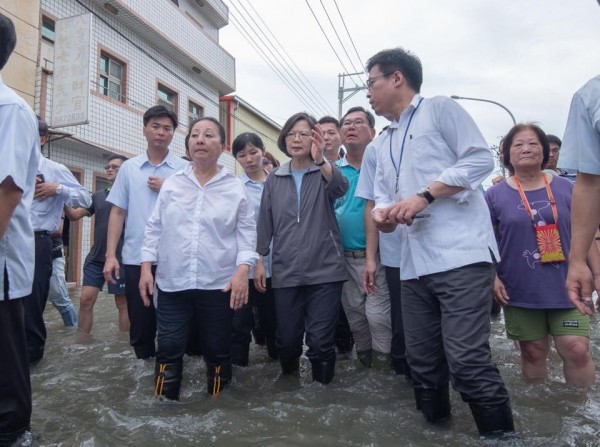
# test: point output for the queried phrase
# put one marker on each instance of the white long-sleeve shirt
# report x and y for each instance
(442, 144)
(198, 235)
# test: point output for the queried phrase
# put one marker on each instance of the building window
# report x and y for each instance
(112, 76)
(167, 98)
(195, 111)
(48, 31)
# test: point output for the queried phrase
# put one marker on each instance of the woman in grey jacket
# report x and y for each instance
(296, 213)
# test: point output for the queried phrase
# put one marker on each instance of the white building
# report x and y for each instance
(141, 53)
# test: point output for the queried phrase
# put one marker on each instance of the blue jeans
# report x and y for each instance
(58, 294)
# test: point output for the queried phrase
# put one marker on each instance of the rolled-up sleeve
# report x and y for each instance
(73, 194)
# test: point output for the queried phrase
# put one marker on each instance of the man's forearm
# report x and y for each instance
(585, 215)
(10, 196)
(115, 228)
(371, 231)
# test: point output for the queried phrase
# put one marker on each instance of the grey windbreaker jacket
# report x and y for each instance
(306, 243)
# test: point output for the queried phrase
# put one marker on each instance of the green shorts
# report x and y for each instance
(534, 324)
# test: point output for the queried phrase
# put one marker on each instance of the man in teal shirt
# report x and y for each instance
(367, 304)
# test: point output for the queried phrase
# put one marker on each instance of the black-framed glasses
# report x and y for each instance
(359, 122)
(113, 167)
(302, 135)
(374, 78)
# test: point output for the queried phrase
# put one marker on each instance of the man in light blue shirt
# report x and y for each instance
(428, 181)
(55, 187)
(20, 152)
(133, 196)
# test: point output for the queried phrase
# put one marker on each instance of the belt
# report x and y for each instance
(41, 233)
(358, 254)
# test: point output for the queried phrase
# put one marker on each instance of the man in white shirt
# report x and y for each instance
(428, 180)
(20, 152)
(581, 151)
(133, 196)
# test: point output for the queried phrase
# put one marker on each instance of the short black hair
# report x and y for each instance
(245, 138)
(369, 115)
(291, 122)
(329, 120)
(553, 139)
(43, 129)
(160, 112)
(8, 39)
(507, 142)
(399, 59)
(204, 118)
(117, 157)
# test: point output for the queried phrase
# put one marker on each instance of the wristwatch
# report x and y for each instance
(322, 163)
(424, 192)
(59, 190)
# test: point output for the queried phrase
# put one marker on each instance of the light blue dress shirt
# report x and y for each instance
(443, 144)
(580, 149)
(130, 192)
(254, 191)
(20, 153)
(46, 214)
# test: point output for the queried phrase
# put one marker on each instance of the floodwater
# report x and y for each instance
(96, 393)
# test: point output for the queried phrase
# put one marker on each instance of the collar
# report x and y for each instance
(245, 179)
(188, 172)
(168, 159)
(286, 169)
(412, 106)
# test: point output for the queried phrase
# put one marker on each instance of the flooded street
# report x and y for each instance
(95, 393)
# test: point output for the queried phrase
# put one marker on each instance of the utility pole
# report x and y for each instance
(342, 90)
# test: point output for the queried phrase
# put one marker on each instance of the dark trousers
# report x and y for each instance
(142, 329)
(398, 348)
(208, 310)
(313, 309)
(244, 322)
(15, 386)
(342, 330)
(35, 328)
(447, 329)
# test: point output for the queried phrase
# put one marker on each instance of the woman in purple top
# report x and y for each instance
(530, 212)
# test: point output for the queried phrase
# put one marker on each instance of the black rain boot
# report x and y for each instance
(400, 367)
(323, 372)
(435, 403)
(290, 366)
(494, 422)
(167, 380)
(365, 357)
(272, 348)
(217, 377)
(240, 353)
(344, 347)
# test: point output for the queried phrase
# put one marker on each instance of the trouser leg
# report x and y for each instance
(15, 385)
(378, 312)
(290, 305)
(142, 330)
(35, 328)
(58, 293)
(241, 334)
(354, 302)
(265, 303)
(398, 345)
(344, 341)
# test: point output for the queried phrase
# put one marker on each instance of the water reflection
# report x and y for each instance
(95, 393)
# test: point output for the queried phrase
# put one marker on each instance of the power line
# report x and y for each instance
(316, 94)
(338, 37)
(327, 38)
(348, 32)
(278, 58)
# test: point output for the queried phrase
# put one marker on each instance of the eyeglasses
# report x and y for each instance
(293, 135)
(113, 167)
(374, 78)
(266, 161)
(356, 123)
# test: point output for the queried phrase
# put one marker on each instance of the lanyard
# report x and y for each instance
(397, 168)
(526, 202)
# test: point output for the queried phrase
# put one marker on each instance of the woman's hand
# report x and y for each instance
(238, 287)
(146, 283)
(500, 294)
(260, 276)
(317, 149)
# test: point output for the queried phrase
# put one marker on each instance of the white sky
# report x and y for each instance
(529, 55)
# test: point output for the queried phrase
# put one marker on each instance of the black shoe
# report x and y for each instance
(323, 371)
(167, 380)
(290, 366)
(434, 403)
(494, 422)
(217, 377)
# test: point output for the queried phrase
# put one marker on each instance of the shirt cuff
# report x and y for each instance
(148, 256)
(246, 257)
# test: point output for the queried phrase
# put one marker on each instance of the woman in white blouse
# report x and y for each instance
(202, 238)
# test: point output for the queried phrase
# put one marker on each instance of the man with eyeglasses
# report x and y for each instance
(93, 277)
(132, 196)
(432, 161)
(367, 309)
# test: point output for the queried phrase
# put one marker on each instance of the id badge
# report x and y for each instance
(549, 245)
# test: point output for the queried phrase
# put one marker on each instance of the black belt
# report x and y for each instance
(358, 254)
(42, 233)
